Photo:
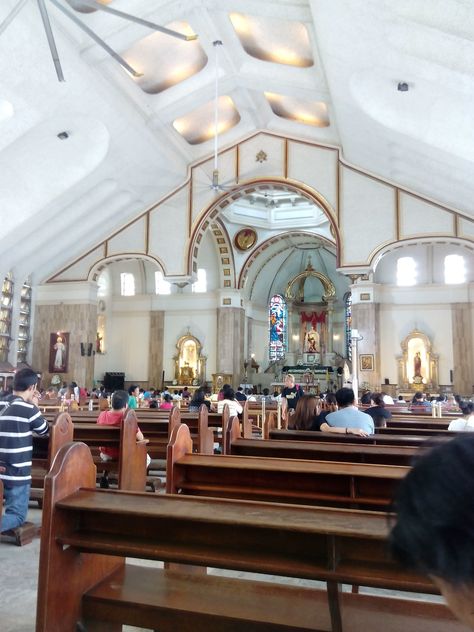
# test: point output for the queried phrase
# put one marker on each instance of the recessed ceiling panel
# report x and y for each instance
(165, 61)
(198, 126)
(308, 112)
(268, 39)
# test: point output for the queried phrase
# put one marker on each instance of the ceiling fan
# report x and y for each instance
(93, 4)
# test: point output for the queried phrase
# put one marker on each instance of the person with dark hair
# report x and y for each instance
(419, 402)
(240, 396)
(434, 530)
(366, 397)
(115, 417)
(378, 412)
(235, 407)
(306, 417)
(19, 418)
(166, 402)
(198, 400)
(466, 422)
(133, 393)
(348, 415)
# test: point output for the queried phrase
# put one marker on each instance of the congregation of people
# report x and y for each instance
(335, 413)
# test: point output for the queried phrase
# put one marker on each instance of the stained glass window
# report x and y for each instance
(348, 302)
(277, 328)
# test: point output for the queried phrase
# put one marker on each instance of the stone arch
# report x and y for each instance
(378, 254)
(98, 266)
(211, 213)
(254, 255)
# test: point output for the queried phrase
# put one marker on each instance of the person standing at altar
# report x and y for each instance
(291, 392)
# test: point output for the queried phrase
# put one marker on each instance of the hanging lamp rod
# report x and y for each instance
(94, 5)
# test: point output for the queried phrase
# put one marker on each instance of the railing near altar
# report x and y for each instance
(309, 376)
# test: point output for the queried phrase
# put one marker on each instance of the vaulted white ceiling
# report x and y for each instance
(323, 70)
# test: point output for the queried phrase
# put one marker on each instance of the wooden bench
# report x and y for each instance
(45, 449)
(87, 534)
(377, 439)
(318, 451)
(335, 484)
(131, 465)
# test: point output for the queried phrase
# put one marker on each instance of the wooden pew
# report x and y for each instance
(377, 439)
(131, 465)
(334, 484)
(87, 534)
(45, 449)
(318, 451)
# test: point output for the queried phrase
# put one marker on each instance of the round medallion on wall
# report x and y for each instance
(245, 239)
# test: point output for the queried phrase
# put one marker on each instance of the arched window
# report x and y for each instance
(201, 283)
(277, 328)
(161, 286)
(406, 271)
(454, 269)
(348, 323)
(127, 284)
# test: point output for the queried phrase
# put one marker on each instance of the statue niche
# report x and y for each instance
(190, 364)
(418, 365)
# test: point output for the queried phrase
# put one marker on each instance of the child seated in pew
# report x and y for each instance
(114, 417)
(434, 530)
(307, 417)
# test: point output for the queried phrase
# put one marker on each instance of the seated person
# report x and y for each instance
(401, 401)
(434, 530)
(328, 405)
(235, 407)
(419, 403)
(166, 402)
(266, 397)
(388, 399)
(348, 415)
(366, 397)
(240, 396)
(466, 422)
(198, 400)
(378, 412)
(115, 417)
(306, 417)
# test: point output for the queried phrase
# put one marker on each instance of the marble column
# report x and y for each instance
(365, 318)
(463, 341)
(155, 354)
(230, 342)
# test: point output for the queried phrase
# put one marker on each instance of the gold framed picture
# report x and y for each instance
(245, 239)
(366, 362)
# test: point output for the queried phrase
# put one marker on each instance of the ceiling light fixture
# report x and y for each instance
(93, 5)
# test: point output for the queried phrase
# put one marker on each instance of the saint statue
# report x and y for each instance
(417, 365)
(312, 342)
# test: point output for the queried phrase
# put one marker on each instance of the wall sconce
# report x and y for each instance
(86, 348)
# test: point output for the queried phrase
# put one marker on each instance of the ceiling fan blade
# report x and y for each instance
(96, 39)
(126, 16)
(13, 13)
(51, 42)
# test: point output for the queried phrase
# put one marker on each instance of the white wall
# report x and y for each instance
(397, 321)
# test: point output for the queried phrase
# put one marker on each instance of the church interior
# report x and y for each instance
(256, 189)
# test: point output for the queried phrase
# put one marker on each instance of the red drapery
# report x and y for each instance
(313, 317)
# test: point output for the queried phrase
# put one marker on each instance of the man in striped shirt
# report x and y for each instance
(19, 418)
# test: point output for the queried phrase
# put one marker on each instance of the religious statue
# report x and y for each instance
(186, 375)
(417, 365)
(312, 342)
